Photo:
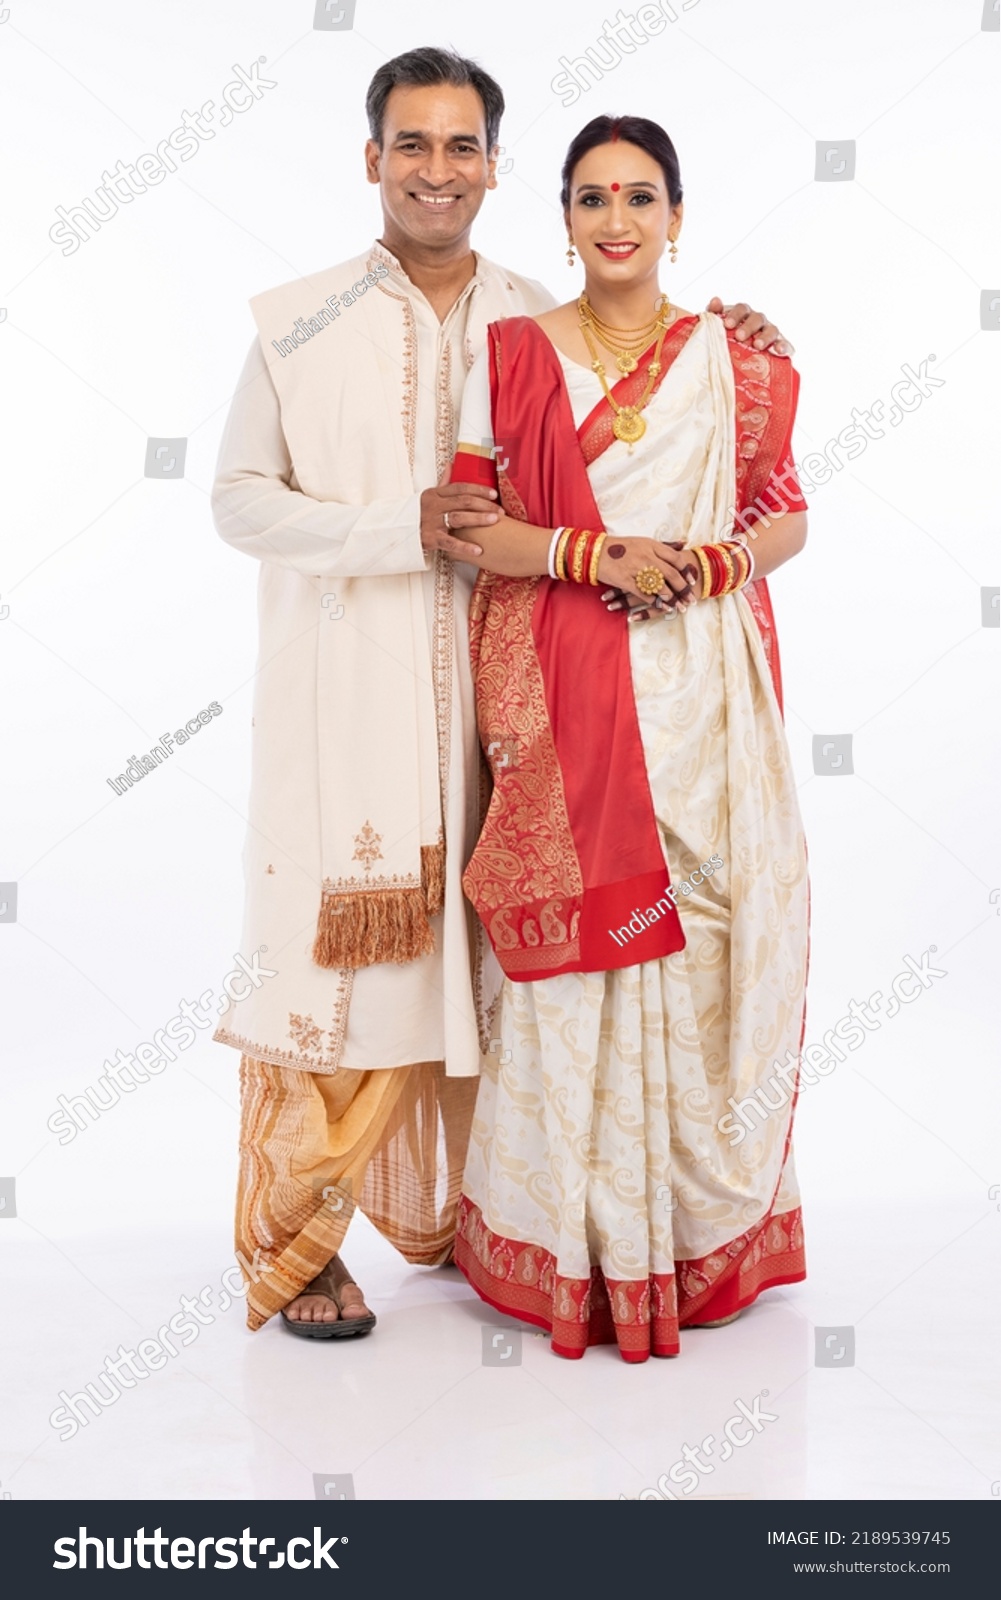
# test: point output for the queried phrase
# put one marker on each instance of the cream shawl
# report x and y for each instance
(338, 346)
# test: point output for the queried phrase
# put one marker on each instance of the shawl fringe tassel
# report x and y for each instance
(362, 930)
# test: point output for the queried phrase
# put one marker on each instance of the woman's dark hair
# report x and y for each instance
(423, 69)
(640, 131)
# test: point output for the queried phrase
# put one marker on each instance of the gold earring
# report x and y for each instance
(674, 252)
(571, 255)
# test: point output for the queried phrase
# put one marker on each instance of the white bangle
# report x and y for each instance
(554, 541)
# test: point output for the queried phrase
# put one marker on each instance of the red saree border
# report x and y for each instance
(643, 1316)
(766, 389)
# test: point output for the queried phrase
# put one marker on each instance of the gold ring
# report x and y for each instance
(650, 580)
(444, 518)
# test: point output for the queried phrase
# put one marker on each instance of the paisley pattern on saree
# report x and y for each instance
(600, 1182)
(643, 1316)
(511, 704)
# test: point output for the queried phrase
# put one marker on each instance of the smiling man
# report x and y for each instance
(360, 1056)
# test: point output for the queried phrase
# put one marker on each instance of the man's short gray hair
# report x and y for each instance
(425, 68)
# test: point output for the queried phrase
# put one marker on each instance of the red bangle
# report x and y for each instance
(575, 557)
(592, 540)
(741, 561)
(718, 570)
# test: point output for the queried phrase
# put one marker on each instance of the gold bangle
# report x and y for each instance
(579, 550)
(561, 549)
(592, 571)
(707, 571)
(731, 575)
(741, 561)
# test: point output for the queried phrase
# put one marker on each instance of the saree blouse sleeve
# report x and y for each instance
(475, 459)
(784, 483)
(767, 393)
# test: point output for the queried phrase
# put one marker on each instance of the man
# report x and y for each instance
(360, 1052)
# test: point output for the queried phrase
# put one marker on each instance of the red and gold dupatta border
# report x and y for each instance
(547, 883)
(765, 388)
(766, 391)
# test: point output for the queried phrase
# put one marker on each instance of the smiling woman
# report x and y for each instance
(599, 1200)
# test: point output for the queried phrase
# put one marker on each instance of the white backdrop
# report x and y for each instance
(127, 615)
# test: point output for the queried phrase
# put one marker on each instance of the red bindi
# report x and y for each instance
(616, 187)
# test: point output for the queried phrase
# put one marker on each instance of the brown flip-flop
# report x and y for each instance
(330, 1282)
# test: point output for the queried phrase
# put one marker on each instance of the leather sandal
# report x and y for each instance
(330, 1283)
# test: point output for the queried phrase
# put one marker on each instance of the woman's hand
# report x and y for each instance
(621, 561)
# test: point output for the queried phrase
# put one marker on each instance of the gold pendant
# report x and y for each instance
(626, 363)
(628, 425)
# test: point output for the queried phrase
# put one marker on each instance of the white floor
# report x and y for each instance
(411, 1412)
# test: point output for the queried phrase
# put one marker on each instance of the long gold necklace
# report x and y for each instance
(625, 344)
(628, 424)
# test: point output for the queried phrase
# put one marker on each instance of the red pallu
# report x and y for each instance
(570, 850)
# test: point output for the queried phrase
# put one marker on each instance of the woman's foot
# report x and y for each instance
(316, 1303)
(721, 1322)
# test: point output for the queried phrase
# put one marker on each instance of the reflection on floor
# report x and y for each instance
(431, 1406)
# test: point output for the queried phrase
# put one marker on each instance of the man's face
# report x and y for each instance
(434, 166)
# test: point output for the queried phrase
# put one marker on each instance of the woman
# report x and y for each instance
(641, 871)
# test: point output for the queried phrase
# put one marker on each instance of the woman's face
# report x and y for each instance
(620, 215)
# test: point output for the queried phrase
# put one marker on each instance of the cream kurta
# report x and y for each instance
(336, 507)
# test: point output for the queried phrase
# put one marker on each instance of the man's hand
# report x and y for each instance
(752, 327)
(465, 505)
